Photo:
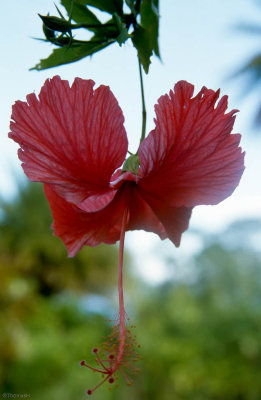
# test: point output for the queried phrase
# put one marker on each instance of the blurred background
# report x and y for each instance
(197, 308)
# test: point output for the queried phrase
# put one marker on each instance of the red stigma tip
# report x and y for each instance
(95, 350)
(89, 392)
(82, 363)
(111, 380)
(111, 356)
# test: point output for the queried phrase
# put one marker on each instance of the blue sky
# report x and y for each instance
(198, 43)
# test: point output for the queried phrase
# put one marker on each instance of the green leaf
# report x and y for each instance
(145, 36)
(123, 33)
(131, 5)
(80, 13)
(112, 29)
(149, 12)
(56, 24)
(110, 6)
(140, 39)
(75, 52)
(59, 12)
(123, 36)
(48, 33)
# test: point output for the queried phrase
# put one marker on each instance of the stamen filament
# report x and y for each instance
(99, 361)
(100, 383)
(95, 369)
(128, 381)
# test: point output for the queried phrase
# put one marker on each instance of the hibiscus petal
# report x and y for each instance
(141, 215)
(71, 137)
(191, 158)
(97, 202)
(174, 220)
(77, 228)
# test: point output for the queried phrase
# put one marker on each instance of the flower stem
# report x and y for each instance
(144, 113)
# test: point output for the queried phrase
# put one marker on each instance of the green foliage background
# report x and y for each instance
(200, 337)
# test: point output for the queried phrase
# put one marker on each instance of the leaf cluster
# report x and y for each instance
(140, 24)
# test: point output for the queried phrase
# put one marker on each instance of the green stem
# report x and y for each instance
(144, 114)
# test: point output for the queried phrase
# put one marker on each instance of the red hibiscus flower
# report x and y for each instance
(73, 140)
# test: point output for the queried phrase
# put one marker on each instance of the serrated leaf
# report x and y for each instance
(110, 6)
(59, 12)
(56, 23)
(48, 33)
(62, 25)
(123, 36)
(80, 13)
(141, 39)
(131, 5)
(149, 13)
(123, 33)
(145, 36)
(66, 55)
(109, 30)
